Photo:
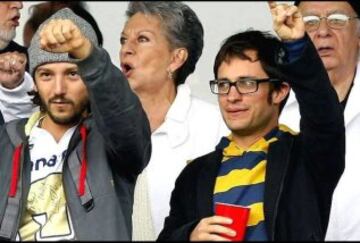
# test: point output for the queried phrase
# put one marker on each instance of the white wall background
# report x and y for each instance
(220, 20)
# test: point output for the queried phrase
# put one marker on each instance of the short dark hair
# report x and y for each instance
(182, 29)
(36, 100)
(266, 46)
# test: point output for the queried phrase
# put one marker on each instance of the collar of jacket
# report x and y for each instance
(176, 122)
(352, 108)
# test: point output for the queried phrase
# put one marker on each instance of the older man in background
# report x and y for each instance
(334, 28)
(15, 82)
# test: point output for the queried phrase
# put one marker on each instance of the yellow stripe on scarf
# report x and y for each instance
(256, 214)
(243, 177)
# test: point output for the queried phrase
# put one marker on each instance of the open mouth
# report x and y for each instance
(15, 20)
(126, 69)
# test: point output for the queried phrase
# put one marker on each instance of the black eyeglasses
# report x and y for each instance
(334, 21)
(242, 85)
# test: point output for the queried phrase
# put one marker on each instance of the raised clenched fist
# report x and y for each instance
(12, 69)
(287, 21)
(63, 36)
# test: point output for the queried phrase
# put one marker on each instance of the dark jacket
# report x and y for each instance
(302, 170)
(118, 148)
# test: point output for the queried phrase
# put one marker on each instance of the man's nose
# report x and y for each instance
(234, 95)
(323, 29)
(60, 86)
(16, 4)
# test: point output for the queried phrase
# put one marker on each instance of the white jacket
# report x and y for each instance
(344, 222)
(192, 128)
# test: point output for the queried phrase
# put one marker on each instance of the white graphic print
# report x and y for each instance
(47, 217)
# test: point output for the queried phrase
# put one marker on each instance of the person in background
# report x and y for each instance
(42, 11)
(15, 82)
(69, 171)
(286, 179)
(161, 43)
(334, 28)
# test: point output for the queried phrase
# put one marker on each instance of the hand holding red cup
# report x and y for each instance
(238, 214)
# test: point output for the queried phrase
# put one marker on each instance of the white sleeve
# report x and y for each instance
(16, 103)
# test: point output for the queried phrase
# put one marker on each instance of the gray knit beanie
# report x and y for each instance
(38, 57)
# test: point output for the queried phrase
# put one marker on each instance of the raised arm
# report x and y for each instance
(116, 109)
(322, 129)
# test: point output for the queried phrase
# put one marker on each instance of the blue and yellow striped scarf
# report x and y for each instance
(241, 179)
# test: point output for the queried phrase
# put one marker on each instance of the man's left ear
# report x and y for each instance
(280, 94)
(179, 57)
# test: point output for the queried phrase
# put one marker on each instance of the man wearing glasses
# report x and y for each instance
(334, 28)
(286, 179)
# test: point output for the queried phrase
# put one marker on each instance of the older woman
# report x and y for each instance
(160, 45)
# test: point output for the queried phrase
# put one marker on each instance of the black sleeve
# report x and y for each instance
(322, 130)
(117, 112)
(322, 127)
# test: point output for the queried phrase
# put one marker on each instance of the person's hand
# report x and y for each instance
(61, 36)
(287, 21)
(209, 229)
(12, 69)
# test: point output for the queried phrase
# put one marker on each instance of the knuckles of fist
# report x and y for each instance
(13, 62)
(58, 32)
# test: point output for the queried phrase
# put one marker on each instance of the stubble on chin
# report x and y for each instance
(73, 118)
(6, 36)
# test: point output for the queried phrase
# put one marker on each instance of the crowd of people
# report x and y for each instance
(90, 150)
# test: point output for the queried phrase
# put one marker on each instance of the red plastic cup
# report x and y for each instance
(239, 215)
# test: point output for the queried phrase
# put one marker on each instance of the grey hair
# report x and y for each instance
(181, 27)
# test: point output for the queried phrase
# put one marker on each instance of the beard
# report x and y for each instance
(6, 36)
(72, 118)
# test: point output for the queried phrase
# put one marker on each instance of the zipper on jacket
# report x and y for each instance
(280, 193)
